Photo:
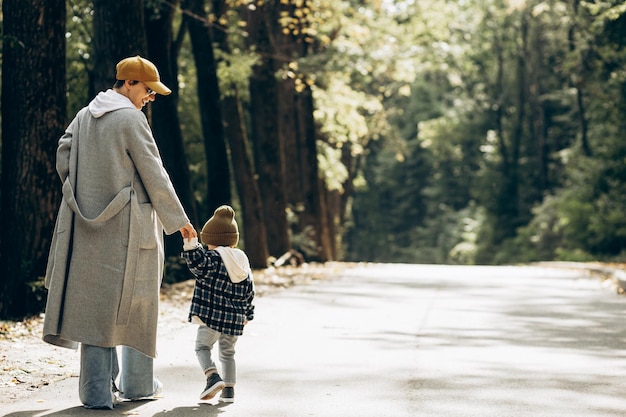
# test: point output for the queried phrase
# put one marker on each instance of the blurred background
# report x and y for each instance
(431, 131)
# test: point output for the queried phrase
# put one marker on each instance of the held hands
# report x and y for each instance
(191, 243)
(188, 231)
(190, 237)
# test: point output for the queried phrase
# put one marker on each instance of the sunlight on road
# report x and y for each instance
(413, 341)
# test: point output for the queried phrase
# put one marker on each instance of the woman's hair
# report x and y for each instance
(120, 83)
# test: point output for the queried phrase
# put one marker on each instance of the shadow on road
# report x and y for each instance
(127, 408)
(204, 410)
(123, 408)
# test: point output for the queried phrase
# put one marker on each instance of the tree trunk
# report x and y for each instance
(218, 170)
(353, 165)
(582, 119)
(33, 119)
(292, 158)
(344, 197)
(265, 132)
(507, 206)
(315, 216)
(511, 195)
(288, 49)
(305, 191)
(165, 121)
(537, 127)
(118, 33)
(578, 85)
(254, 228)
(255, 232)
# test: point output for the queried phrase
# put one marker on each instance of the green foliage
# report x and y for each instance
(190, 123)
(234, 70)
(37, 292)
(79, 47)
(592, 208)
(465, 121)
(345, 117)
(176, 270)
(504, 98)
(387, 215)
(581, 222)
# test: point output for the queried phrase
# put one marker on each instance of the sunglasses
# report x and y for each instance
(149, 91)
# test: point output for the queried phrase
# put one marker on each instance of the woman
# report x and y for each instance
(105, 265)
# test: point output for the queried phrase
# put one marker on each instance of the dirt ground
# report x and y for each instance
(27, 363)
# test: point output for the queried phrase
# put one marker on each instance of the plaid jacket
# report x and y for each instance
(221, 304)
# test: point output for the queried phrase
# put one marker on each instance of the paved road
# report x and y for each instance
(400, 340)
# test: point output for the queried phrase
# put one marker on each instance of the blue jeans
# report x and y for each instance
(99, 369)
(205, 340)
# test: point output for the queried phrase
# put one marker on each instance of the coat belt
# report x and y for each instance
(113, 208)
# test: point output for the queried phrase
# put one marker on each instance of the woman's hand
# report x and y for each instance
(188, 231)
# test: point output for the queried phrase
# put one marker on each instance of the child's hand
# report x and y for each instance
(190, 243)
(188, 231)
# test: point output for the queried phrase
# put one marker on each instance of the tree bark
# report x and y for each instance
(578, 85)
(315, 216)
(293, 168)
(165, 121)
(118, 33)
(218, 170)
(33, 119)
(287, 51)
(254, 228)
(305, 191)
(255, 232)
(265, 132)
(511, 194)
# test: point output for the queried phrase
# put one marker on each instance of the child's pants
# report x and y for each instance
(205, 340)
(99, 368)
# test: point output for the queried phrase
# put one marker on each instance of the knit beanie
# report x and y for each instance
(221, 229)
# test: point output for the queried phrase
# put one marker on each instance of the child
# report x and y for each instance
(222, 298)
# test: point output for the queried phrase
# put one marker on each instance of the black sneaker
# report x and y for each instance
(213, 385)
(228, 395)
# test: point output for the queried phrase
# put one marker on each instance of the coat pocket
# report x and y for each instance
(145, 225)
(148, 227)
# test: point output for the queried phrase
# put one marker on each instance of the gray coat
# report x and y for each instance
(106, 259)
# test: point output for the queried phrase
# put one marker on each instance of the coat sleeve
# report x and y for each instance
(63, 151)
(145, 155)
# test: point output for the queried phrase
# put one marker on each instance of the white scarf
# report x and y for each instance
(108, 101)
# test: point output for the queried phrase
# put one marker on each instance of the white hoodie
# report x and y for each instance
(235, 260)
(236, 263)
(107, 101)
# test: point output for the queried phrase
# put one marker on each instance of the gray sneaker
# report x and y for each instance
(214, 384)
(228, 395)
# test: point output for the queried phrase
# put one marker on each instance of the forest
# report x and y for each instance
(432, 131)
